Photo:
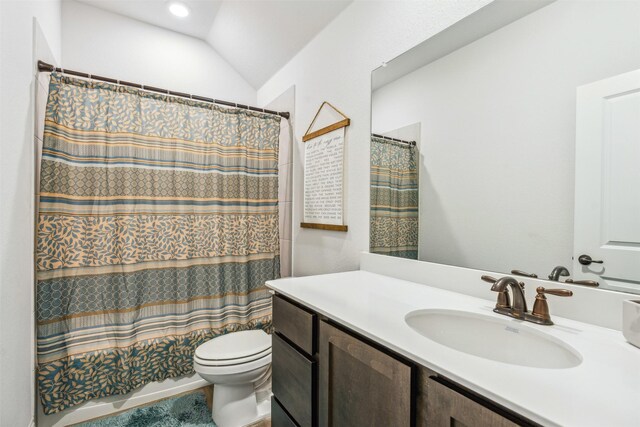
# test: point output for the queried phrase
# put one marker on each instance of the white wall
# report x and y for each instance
(498, 133)
(20, 43)
(336, 66)
(104, 43)
(285, 102)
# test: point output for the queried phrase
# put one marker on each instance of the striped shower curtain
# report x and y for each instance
(394, 199)
(157, 229)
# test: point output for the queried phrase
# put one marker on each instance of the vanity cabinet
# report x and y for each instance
(447, 406)
(293, 382)
(295, 323)
(359, 384)
(294, 366)
(325, 375)
(279, 417)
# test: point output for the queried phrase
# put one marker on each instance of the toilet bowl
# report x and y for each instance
(233, 363)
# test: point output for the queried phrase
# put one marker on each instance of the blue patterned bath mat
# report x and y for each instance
(189, 410)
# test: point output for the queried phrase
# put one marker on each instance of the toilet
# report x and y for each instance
(234, 363)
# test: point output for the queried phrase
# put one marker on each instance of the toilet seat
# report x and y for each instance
(233, 369)
(230, 362)
(236, 348)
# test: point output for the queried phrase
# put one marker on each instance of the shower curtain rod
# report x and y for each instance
(402, 141)
(44, 67)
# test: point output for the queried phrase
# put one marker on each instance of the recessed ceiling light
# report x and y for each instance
(179, 9)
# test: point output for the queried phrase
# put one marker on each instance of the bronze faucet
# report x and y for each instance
(557, 272)
(519, 307)
(518, 310)
(562, 271)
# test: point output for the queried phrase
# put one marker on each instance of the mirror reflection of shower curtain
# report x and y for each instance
(394, 199)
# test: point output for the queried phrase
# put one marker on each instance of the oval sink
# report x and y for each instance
(493, 338)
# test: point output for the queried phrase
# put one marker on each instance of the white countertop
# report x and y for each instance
(603, 391)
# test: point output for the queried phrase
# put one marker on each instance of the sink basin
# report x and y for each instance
(500, 340)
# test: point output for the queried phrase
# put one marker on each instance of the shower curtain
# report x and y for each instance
(157, 229)
(394, 199)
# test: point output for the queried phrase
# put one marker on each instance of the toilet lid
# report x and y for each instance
(235, 345)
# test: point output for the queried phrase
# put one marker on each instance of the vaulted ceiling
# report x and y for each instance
(257, 37)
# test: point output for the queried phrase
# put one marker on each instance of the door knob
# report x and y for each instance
(586, 260)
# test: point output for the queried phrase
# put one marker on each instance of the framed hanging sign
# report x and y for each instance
(324, 174)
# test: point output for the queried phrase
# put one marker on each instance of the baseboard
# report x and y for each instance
(114, 404)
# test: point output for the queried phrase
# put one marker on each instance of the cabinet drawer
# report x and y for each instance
(448, 408)
(279, 417)
(294, 323)
(292, 381)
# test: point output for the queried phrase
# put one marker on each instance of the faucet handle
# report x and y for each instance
(583, 282)
(489, 279)
(524, 273)
(540, 310)
(557, 292)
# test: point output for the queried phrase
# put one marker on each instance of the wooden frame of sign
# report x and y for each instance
(312, 135)
(330, 227)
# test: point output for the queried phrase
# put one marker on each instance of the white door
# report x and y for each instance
(607, 206)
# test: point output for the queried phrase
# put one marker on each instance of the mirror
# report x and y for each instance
(510, 142)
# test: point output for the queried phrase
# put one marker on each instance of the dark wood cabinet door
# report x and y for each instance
(422, 378)
(292, 381)
(448, 408)
(279, 417)
(360, 385)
